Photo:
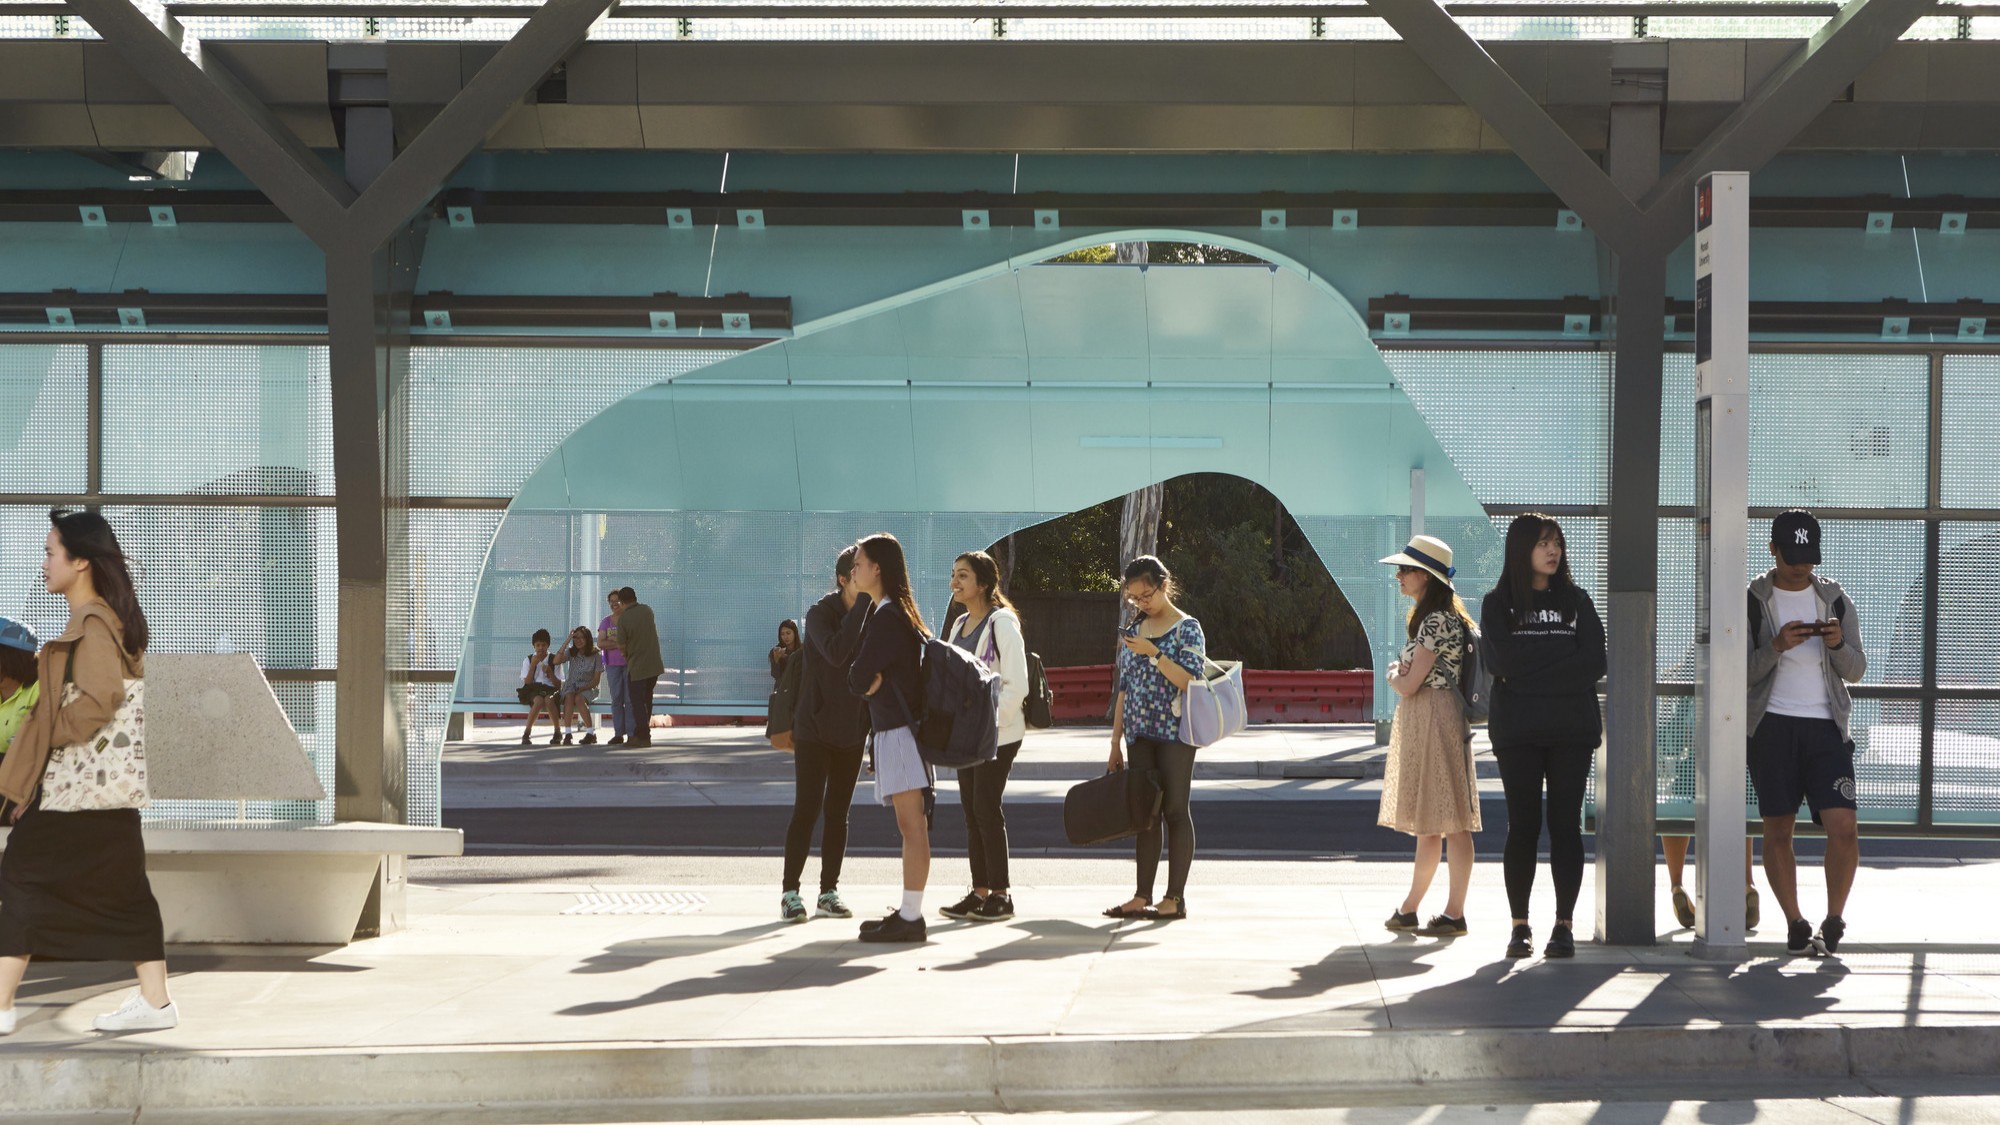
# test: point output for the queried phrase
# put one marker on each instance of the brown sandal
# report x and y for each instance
(1119, 911)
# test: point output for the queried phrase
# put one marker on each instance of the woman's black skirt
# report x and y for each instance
(73, 887)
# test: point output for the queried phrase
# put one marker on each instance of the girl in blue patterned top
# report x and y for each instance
(1161, 651)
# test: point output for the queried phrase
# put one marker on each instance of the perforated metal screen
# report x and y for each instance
(44, 412)
(238, 420)
(1521, 427)
(1969, 477)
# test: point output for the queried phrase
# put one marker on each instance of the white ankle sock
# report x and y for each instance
(913, 906)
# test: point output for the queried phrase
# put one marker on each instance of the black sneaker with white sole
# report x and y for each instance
(1830, 933)
(962, 909)
(1798, 936)
(896, 928)
(998, 907)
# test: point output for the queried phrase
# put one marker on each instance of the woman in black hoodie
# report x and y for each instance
(1545, 644)
(827, 730)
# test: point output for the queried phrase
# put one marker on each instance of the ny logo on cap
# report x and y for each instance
(1800, 535)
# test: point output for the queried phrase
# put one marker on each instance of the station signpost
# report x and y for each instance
(1722, 497)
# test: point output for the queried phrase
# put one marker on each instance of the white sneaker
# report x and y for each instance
(137, 1015)
(7, 1021)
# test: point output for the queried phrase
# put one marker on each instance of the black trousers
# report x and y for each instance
(979, 791)
(1524, 770)
(824, 778)
(641, 691)
(1175, 763)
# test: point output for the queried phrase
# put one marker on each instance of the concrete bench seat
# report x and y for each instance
(216, 732)
(275, 881)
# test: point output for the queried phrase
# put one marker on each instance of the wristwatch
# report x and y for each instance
(1154, 660)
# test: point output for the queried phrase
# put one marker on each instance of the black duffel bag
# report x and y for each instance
(1117, 806)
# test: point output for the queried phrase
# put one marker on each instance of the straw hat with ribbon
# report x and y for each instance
(1427, 553)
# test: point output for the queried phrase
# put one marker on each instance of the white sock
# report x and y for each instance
(913, 906)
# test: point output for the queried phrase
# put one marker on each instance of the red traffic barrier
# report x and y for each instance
(1084, 693)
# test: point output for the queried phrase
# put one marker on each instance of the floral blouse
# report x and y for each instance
(1443, 633)
(1149, 696)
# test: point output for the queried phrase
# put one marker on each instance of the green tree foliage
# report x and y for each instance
(1163, 254)
(1245, 569)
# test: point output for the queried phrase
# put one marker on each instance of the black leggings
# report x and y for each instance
(825, 777)
(979, 791)
(1175, 763)
(1523, 771)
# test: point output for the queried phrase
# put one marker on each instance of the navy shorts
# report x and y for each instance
(1795, 760)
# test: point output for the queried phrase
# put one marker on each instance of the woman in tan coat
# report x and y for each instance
(73, 884)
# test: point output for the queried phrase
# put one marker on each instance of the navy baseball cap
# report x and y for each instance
(13, 634)
(1796, 536)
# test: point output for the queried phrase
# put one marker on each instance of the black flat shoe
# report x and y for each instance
(1522, 944)
(1444, 925)
(1119, 911)
(1561, 946)
(1157, 915)
(896, 929)
(1403, 921)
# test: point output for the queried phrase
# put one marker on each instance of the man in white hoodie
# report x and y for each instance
(1805, 648)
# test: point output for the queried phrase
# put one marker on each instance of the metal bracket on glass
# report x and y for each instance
(1895, 327)
(750, 219)
(1048, 220)
(680, 218)
(163, 216)
(663, 321)
(459, 217)
(60, 318)
(131, 318)
(975, 220)
(1346, 218)
(1274, 219)
(1567, 219)
(1952, 222)
(1881, 222)
(1972, 328)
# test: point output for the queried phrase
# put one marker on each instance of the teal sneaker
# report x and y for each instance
(793, 908)
(830, 906)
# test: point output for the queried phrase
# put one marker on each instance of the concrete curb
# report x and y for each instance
(968, 1073)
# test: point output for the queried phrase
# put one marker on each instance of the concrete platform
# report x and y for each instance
(619, 1000)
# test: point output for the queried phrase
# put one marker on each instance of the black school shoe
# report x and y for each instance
(1403, 921)
(1562, 944)
(1444, 926)
(1798, 936)
(895, 928)
(1830, 933)
(998, 907)
(1522, 944)
(963, 909)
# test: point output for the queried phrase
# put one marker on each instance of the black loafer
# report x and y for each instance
(1403, 921)
(1562, 944)
(1522, 944)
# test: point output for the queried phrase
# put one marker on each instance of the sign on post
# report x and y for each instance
(1722, 498)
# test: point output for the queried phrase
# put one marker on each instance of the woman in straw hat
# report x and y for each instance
(1429, 791)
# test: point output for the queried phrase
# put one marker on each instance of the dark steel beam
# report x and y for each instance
(523, 312)
(1784, 104)
(420, 170)
(216, 103)
(1461, 63)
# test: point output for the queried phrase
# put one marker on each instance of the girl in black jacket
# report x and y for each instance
(888, 672)
(1545, 644)
(826, 745)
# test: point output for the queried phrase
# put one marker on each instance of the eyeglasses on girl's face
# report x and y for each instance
(1141, 596)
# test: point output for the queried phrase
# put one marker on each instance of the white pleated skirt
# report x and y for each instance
(899, 767)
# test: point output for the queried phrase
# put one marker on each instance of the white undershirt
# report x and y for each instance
(1800, 689)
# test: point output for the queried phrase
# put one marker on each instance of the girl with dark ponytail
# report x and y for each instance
(73, 884)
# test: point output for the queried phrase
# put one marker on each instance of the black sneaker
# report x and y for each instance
(1562, 944)
(1830, 933)
(527, 740)
(1444, 926)
(962, 909)
(1522, 944)
(876, 923)
(616, 740)
(590, 739)
(895, 928)
(1798, 936)
(555, 740)
(998, 907)
(1403, 921)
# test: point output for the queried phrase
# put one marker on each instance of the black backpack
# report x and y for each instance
(1040, 706)
(957, 725)
(1475, 679)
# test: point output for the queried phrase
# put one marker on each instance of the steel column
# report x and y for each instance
(1626, 765)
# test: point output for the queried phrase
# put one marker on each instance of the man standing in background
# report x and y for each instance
(639, 643)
